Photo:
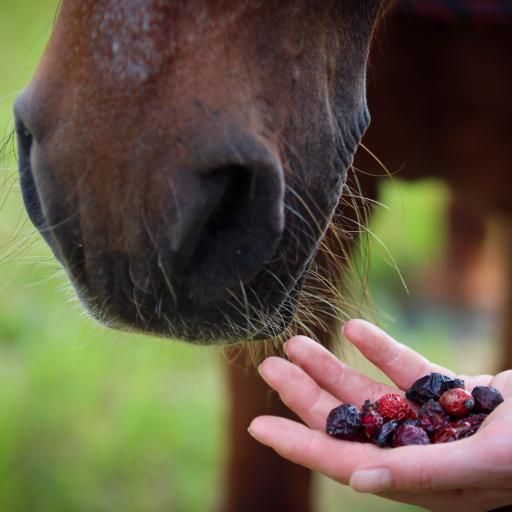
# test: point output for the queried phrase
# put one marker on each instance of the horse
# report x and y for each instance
(438, 92)
(184, 161)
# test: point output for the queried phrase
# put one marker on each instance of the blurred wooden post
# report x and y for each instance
(506, 360)
(258, 480)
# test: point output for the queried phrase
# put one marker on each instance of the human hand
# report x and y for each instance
(471, 474)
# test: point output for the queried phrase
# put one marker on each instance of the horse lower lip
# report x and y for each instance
(108, 292)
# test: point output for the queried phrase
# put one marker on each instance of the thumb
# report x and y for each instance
(423, 468)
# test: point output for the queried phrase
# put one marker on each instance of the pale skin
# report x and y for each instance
(473, 474)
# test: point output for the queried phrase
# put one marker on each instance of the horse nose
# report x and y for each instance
(225, 222)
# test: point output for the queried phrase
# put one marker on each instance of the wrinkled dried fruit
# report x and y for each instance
(444, 415)
(457, 402)
(344, 422)
(448, 434)
(431, 387)
(368, 406)
(432, 417)
(393, 406)
(486, 398)
(371, 422)
(385, 435)
(470, 424)
(409, 434)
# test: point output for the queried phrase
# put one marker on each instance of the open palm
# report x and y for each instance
(472, 474)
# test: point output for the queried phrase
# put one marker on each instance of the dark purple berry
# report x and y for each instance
(409, 434)
(385, 435)
(431, 387)
(446, 434)
(470, 424)
(486, 398)
(431, 416)
(453, 431)
(371, 422)
(475, 420)
(344, 422)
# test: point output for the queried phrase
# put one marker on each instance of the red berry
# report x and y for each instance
(371, 422)
(394, 407)
(457, 402)
(410, 434)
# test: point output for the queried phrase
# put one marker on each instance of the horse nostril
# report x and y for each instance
(25, 139)
(242, 230)
(228, 214)
(25, 143)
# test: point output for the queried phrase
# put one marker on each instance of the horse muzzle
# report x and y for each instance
(169, 247)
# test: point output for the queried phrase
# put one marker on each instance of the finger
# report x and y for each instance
(341, 381)
(413, 469)
(298, 391)
(406, 470)
(400, 363)
(311, 448)
(469, 500)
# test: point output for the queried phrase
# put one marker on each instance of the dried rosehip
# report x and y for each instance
(447, 434)
(409, 434)
(475, 420)
(371, 422)
(385, 435)
(368, 406)
(432, 417)
(469, 425)
(344, 422)
(457, 402)
(486, 398)
(431, 387)
(393, 406)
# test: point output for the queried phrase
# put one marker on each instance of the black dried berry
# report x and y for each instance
(431, 416)
(385, 435)
(410, 434)
(486, 398)
(344, 422)
(431, 387)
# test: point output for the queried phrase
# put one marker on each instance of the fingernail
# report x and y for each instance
(285, 349)
(371, 480)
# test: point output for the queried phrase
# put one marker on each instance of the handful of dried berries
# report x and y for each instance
(447, 412)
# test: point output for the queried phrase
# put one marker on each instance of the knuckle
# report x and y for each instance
(423, 480)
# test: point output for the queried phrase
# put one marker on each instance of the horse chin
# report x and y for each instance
(209, 330)
(221, 322)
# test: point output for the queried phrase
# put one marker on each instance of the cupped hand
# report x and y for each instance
(472, 474)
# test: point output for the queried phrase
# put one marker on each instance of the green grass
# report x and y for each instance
(97, 420)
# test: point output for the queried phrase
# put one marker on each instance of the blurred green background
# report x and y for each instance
(96, 420)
